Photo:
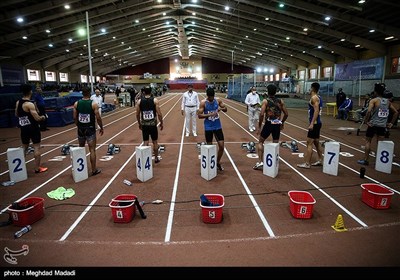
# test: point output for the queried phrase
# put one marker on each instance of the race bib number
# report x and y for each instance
(24, 121)
(383, 113)
(276, 121)
(84, 118)
(213, 118)
(148, 115)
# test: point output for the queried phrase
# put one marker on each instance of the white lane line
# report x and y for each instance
(93, 202)
(189, 242)
(327, 195)
(66, 130)
(252, 199)
(341, 143)
(175, 189)
(75, 139)
(303, 143)
(59, 173)
(68, 167)
(83, 214)
(313, 184)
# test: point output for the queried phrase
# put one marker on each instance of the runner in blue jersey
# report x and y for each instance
(209, 111)
(314, 128)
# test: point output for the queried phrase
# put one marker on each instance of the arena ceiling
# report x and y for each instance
(259, 33)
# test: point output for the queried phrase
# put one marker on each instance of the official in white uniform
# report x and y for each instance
(190, 105)
(97, 98)
(253, 108)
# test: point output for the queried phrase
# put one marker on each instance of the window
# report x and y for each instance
(302, 74)
(63, 77)
(83, 79)
(271, 78)
(327, 72)
(313, 73)
(395, 65)
(50, 76)
(276, 77)
(33, 75)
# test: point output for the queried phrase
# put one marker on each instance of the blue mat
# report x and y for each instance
(62, 117)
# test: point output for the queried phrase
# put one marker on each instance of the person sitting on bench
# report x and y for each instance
(345, 108)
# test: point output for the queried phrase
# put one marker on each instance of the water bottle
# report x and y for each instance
(127, 182)
(22, 231)
(8, 183)
(362, 172)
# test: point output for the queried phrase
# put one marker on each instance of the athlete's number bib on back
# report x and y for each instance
(24, 121)
(84, 118)
(148, 115)
(383, 113)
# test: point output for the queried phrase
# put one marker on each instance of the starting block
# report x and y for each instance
(16, 164)
(113, 149)
(144, 163)
(79, 164)
(271, 159)
(199, 146)
(208, 162)
(322, 143)
(161, 149)
(65, 149)
(292, 146)
(250, 147)
(29, 150)
(384, 156)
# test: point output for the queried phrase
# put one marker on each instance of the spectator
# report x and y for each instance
(340, 98)
(345, 108)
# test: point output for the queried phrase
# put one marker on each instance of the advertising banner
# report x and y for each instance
(371, 69)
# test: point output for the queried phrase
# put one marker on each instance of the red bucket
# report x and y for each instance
(213, 214)
(301, 204)
(123, 208)
(376, 196)
(27, 211)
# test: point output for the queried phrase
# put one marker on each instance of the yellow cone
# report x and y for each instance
(339, 224)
